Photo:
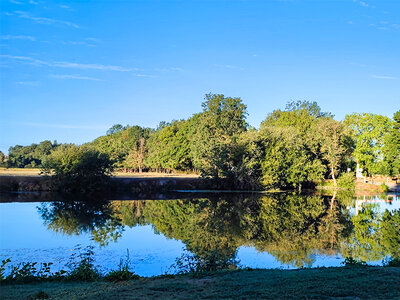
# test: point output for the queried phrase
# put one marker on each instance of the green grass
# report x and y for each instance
(321, 283)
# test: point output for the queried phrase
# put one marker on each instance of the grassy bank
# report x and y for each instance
(321, 283)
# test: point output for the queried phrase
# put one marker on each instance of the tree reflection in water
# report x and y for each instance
(76, 217)
(291, 227)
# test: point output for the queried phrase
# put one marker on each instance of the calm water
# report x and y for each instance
(260, 230)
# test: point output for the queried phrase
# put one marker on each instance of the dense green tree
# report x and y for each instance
(299, 115)
(391, 147)
(78, 169)
(29, 156)
(333, 142)
(169, 147)
(215, 148)
(368, 132)
(291, 159)
(2, 159)
(124, 143)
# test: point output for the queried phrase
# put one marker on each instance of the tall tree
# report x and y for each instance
(215, 144)
(333, 141)
(391, 148)
(368, 132)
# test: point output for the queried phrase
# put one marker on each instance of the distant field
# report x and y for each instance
(35, 172)
(19, 172)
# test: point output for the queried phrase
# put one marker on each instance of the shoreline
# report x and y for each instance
(321, 283)
(30, 180)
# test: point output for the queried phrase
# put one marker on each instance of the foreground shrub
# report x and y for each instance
(82, 265)
(207, 262)
(351, 262)
(123, 272)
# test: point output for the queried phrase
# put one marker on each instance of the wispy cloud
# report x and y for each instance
(231, 67)
(176, 69)
(76, 77)
(363, 3)
(73, 65)
(33, 2)
(17, 37)
(78, 43)
(15, 2)
(68, 65)
(384, 77)
(65, 7)
(43, 20)
(28, 83)
(92, 39)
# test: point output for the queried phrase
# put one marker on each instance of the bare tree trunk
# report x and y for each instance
(333, 198)
(333, 177)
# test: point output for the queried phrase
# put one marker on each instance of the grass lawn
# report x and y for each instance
(321, 283)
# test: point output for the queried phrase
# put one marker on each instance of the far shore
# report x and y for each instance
(31, 179)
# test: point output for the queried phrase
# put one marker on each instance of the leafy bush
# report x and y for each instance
(209, 262)
(392, 262)
(78, 169)
(346, 181)
(82, 265)
(123, 273)
(28, 271)
(351, 262)
(384, 188)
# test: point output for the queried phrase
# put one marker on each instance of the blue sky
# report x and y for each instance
(70, 70)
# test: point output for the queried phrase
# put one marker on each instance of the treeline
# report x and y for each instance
(292, 148)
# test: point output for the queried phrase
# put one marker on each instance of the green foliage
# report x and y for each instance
(369, 132)
(31, 156)
(391, 147)
(347, 181)
(288, 163)
(169, 147)
(92, 216)
(2, 159)
(208, 262)
(390, 231)
(78, 169)
(81, 264)
(4, 263)
(384, 188)
(123, 273)
(126, 146)
(331, 140)
(215, 148)
(28, 272)
(293, 148)
(392, 262)
(351, 262)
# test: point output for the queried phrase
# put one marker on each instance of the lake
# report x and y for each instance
(258, 230)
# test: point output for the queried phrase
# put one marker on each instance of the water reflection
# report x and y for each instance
(77, 217)
(293, 228)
